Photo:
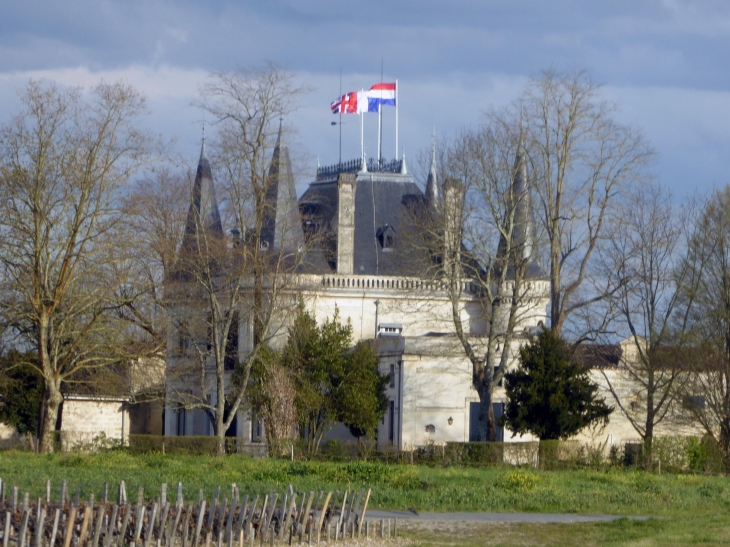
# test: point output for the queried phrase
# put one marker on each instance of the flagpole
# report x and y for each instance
(380, 116)
(396, 118)
(380, 129)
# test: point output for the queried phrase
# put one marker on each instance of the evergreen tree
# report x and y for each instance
(21, 390)
(550, 395)
(362, 395)
(333, 383)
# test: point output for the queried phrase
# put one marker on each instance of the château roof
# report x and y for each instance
(384, 202)
(282, 227)
(521, 237)
(433, 194)
(203, 225)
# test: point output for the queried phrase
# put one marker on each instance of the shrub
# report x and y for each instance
(188, 445)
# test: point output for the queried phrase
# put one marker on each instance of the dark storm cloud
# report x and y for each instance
(663, 61)
(649, 42)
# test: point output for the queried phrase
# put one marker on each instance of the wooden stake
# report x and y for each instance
(70, 525)
(151, 524)
(364, 509)
(186, 525)
(111, 526)
(23, 528)
(199, 524)
(322, 514)
(6, 535)
(125, 522)
(247, 527)
(242, 516)
(54, 531)
(97, 525)
(139, 522)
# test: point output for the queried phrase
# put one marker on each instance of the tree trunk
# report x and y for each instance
(649, 424)
(648, 443)
(724, 443)
(556, 323)
(53, 399)
(220, 424)
(486, 426)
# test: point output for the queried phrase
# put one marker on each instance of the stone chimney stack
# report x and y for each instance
(346, 185)
(453, 213)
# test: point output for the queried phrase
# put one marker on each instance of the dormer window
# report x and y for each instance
(386, 237)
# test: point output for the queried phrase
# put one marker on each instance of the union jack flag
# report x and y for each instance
(347, 104)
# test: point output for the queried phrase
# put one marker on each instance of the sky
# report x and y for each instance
(664, 63)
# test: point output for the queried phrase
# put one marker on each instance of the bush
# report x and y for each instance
(475, 454)
(187, 446)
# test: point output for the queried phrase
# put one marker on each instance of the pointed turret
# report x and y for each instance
(203, 213)
(519, 198)
(282, 226)
(433, 196)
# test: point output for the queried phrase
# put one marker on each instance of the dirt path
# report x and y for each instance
(413, 518)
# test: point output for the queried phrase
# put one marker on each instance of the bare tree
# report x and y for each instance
(645, 256)
(64, 158)
(226, 285)
(583, 160)
(708, 394)
(487, 247)
(155, 210)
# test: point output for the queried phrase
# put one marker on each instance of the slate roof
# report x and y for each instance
(282, 227)
(202, 214)
(598, 356)
(382, 203)
(522, 236)
(433, 194)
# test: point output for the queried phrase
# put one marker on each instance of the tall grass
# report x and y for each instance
(495, 489)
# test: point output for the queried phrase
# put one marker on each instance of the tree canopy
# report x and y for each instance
(550, 394)
(333, 381)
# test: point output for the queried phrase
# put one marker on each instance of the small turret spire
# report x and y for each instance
(202, 147)
(281, 130)
(432, 186)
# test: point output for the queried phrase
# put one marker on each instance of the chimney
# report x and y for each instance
(453, 213)
(346, 184)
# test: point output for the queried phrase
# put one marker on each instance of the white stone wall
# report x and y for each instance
(84, 419)
(9, 437)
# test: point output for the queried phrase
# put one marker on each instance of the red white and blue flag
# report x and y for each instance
(356, 102)
(381, 94)
(347, 104)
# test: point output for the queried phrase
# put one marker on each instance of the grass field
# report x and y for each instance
(692, 509)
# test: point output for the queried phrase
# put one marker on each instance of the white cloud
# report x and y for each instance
(687, 126)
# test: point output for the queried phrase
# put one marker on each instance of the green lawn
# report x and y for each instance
(694, 509)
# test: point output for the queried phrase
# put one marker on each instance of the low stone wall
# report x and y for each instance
(10, 438)
(87, 419)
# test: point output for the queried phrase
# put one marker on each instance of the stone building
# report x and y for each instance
(368, 256)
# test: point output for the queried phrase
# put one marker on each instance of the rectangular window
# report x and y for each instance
(694, 402)
(210, 332)
(392, 375)
(232, 344)
(391, 418)
(181, 422)
(183, 337)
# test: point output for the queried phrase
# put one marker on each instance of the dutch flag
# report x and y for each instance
(381, 94)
